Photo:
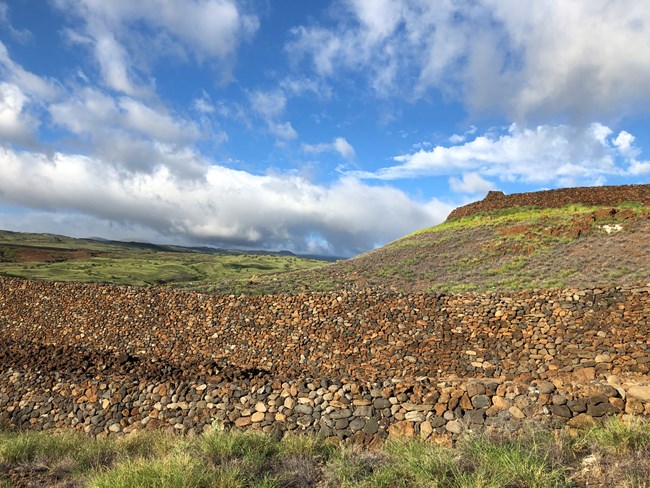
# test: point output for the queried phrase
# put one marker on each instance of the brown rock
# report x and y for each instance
(403, 428)
(640, 392)
(581, 421)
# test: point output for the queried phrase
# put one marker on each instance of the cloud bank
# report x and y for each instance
(226, 207)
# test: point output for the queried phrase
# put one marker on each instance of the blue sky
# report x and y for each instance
(318, 126)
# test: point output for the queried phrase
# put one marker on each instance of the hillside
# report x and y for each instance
(492, 247)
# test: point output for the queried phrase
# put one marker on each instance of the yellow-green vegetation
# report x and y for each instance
(616, 454)
(191, 270)
(524, 215)
(59, 258)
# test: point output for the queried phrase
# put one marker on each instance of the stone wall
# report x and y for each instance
(354, 365)
(597, 195)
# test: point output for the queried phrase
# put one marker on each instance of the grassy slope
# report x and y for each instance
(616, 454)
(59, 258)
(512, 249)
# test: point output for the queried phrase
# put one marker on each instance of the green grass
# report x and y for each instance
(616, 453)
(187, 270)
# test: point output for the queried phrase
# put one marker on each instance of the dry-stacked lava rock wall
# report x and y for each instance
(598, 195)
(351, 364)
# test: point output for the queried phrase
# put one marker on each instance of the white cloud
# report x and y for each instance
(624, 143)
(203, 104)
(339, 145)
(537, 155)
(114, 65)
(270, 106)
(456, 138)
(639, 167)
(470, 183)
(226, 207)
(586, 59)
(129, 134)
(28, 82)
(15, 124)
(203, 29)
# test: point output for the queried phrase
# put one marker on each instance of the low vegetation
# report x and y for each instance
(617, 455)
(59, 258)
(504, 250)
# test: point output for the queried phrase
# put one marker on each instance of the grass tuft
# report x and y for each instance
(177, 471)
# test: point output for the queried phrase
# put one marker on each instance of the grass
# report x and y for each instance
(56, 258)
(521, 216)
(616, 454)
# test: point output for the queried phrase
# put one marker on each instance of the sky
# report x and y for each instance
(320, 126)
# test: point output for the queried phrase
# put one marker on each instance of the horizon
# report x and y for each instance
(324, 128)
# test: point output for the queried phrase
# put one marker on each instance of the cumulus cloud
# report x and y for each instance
(525, 60)
(543, 154)
(470, 183)
(339, 145)
(15, 124)
(202, 29)
(129, 134)
(227, 207)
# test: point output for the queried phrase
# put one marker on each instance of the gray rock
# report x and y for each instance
(341, 424)
(561, 411)
(371, 427)
(380, 403)
(357, 424)
(303, 409)
(481, 401)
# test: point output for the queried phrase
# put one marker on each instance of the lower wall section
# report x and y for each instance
(363, 414)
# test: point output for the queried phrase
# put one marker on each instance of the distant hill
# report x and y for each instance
(62, 258)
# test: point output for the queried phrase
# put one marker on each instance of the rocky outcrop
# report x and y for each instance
(353, 364)
(596, 196)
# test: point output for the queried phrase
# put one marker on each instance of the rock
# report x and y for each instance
(303, 409)
(341, 424)
(414, 416)
(371, 426)
(381, 403)
(403, 428)
(600, 409)
(516, 412)
(546, 388)
(640, 392)
(474, 389)
(243, 422)
(501, 403)
(426, 429)
(454, 426)
(257, 417)
(581, 421)
(357, 424)
(481, 401)
(560, 411)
